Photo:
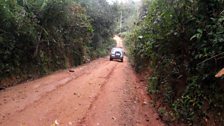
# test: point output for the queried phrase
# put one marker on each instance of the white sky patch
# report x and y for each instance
(123, 1)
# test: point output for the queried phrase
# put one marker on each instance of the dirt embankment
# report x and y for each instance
(101, 93)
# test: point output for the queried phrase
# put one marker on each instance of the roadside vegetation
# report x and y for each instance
(182, 42)
(42, 36)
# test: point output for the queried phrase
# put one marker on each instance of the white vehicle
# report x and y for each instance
(117, 53)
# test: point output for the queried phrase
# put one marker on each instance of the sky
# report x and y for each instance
(111, 1)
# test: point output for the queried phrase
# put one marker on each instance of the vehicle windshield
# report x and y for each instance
(116, 49)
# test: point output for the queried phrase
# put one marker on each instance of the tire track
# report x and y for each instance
(102, 87)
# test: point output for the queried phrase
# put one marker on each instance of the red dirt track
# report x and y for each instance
(100, 93)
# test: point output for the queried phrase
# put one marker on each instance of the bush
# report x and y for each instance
(182, 41)
(38, 37)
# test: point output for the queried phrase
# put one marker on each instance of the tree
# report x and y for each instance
(44, 36)
(182, 41)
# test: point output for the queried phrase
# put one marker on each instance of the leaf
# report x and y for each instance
(199, 31)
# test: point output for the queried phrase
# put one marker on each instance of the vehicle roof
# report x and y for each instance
(117, 48)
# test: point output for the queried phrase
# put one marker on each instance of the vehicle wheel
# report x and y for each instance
(122, 60)
(111, 59)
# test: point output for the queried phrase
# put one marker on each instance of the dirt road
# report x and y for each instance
(100, 93)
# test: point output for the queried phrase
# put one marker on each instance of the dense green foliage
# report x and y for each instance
(129, 13)
(103, 18)
(40, 36)
(183, 42)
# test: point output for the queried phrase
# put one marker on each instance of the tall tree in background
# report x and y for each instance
(103, 17)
